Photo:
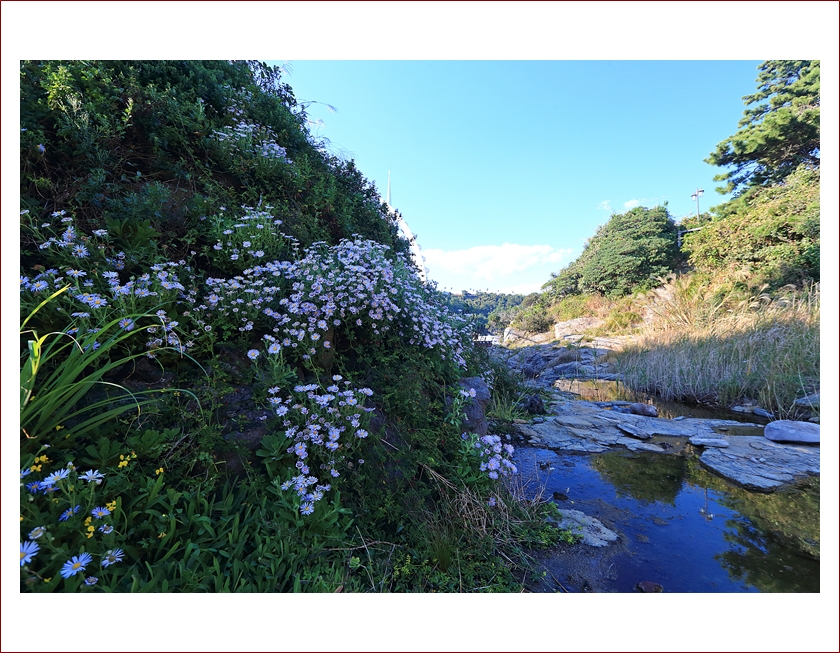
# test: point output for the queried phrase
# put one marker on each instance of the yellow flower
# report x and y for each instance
(159, 471)
(161, 535)
(21, 517)
(122, 457)
(133, 455)
(91, 528)
(35, 468)
(111, 506)
(90, 535)
(59, 427)
(88, 520)
(123, 463)
(47, 580)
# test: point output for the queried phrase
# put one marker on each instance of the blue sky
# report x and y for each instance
(503, 169)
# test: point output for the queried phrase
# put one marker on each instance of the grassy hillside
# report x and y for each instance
(232, 378)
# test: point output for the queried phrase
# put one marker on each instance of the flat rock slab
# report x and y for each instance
(785, 430)
(758, 464)
(594, 533)
(700, 441)
(586, 427)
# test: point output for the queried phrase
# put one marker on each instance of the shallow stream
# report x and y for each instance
(604, 390)
(679, 526)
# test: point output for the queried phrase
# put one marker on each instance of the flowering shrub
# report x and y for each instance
(254, 237)
(485, 457)
(352, 285)
(249, 138)
(98, 292)
(322, 430)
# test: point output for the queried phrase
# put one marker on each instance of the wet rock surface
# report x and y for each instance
(753, 462)
(758, 464)
(591, 531)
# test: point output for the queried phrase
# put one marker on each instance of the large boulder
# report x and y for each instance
(475, 420)
(644, 409)
(811, 401)
(576, 326)
(512, 336)
(533, 404)
(785, 430)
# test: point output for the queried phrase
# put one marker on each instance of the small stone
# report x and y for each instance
(762, 413)
(648, 586)
(742, 409)
(644, 409)
(678, 418)
(560, 496)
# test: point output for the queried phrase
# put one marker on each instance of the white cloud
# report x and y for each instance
(631, 204)
(498, 268)
(491, 263)
(605, 206)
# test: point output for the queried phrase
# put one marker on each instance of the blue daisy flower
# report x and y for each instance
(56, 476)
(92, 475)
(68, 513)
(112, 556)
(100, 511)
(27, 551)
(75, 565)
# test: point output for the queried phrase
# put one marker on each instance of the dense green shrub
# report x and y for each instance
(772, 232)
(632, 251)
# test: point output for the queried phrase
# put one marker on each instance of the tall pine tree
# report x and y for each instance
(778, 134)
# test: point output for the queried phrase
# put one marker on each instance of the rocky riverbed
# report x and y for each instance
(752, 457)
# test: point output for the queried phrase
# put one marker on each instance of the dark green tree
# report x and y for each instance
(779, 133)
(631, 252)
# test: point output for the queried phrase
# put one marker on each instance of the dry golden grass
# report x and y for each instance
(707, 343)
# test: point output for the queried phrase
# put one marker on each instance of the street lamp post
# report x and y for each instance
(696, 195)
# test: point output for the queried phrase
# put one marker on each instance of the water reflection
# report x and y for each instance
(683, 527)
(604, 390)
(762, 561)
(656, 479)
